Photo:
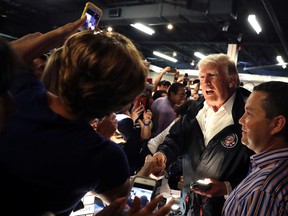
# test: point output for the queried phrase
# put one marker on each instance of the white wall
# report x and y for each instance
(249, 80)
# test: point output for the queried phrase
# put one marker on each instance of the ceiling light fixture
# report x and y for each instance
(169, 58)
(143, 28)
(254, 23)
(281, 61)
(199, 55)
(170, 26)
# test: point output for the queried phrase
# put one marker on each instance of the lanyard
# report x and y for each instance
(196, 205)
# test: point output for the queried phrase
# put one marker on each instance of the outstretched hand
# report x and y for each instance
(135, 209)
(116, 208)
(152, 166)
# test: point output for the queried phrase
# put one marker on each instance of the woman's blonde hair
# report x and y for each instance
(50, 76)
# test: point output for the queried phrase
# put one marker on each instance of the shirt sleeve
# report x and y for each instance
(159, 139)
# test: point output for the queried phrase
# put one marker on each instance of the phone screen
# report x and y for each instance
(93, 16)
(92, 19)
(144, 192)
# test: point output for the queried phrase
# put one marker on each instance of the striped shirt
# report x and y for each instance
(264, 192)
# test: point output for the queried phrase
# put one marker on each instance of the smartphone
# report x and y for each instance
(201, 185)
(144, 188)
(196, 81)
(141, 100)
(93, 14)
(173, 70)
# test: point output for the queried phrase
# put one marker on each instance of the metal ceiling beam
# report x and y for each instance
(274, 20)
(156, 13)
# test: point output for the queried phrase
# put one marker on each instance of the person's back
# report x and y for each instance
(60, 161)
(50, 154)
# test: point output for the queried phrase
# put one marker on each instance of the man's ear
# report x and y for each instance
(231, 83)
(278, 124)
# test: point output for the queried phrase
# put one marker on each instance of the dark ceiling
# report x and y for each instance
(199, 25)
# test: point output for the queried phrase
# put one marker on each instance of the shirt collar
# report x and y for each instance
(227, 106)
(267, 157)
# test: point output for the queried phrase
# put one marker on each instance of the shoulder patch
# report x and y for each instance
(230, 141)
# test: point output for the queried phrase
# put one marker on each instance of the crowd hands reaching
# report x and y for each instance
(30, 47)
(103, 120)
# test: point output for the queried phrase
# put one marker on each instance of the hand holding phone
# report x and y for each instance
(144, 188)
(201, 185)
(173, 70)
(93, 14)
(141, 101)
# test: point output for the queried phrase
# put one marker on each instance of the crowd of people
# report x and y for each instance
(60, 112)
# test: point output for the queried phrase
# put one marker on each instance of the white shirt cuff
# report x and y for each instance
(228, 188)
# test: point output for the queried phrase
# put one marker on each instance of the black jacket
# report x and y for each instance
(225, 158)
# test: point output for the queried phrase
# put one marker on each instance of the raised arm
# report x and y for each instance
(33, 45)
(159, 77)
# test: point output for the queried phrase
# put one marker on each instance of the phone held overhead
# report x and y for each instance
(93, 14)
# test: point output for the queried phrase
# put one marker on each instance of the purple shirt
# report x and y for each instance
(163, 114)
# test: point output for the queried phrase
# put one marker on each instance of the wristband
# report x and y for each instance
(147, 124)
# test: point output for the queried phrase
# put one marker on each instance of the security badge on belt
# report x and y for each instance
(230, 141)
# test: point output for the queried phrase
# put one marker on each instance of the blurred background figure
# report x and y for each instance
(135, 130)
(163, 108)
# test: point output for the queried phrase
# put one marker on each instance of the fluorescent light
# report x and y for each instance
(281, 61)
(254, 23)
(143, 28)
(165, 56)
(199, 55)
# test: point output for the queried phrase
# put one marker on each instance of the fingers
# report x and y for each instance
(153, 203)
(149, 209)
(141, 109)
(135, 206)
(164, 210)
(114, 208)
(160, 159)
(71, 27)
